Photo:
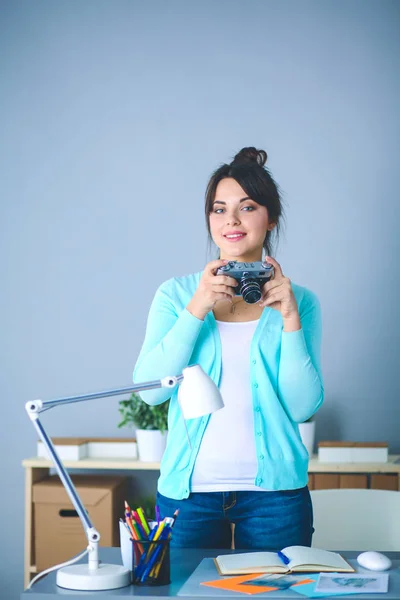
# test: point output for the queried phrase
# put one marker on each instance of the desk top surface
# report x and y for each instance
(183, 563)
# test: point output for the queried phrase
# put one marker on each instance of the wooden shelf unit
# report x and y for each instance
(321, 475)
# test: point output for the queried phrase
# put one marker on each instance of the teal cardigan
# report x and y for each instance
(286, 383)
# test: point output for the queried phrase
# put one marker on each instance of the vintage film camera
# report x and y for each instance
(250, 277)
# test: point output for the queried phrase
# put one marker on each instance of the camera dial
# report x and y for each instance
(227, 267)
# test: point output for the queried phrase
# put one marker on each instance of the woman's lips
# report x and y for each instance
(234, 237)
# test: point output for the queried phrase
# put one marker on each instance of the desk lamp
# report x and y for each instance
(198, 395)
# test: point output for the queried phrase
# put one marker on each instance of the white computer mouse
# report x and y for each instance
(374, 561)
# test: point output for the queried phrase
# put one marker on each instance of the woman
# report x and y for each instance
(247, 465)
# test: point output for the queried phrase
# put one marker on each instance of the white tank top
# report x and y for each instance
(226, 460)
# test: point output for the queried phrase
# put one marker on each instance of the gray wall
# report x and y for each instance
(113, 115)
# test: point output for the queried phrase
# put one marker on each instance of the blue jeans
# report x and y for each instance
(263, 520)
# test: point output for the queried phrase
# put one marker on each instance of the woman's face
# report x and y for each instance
(238, 224)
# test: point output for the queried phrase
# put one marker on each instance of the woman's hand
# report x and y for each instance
(278, 294)
(211, 288)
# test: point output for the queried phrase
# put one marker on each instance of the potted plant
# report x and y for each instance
(151, 424)
(307, 434)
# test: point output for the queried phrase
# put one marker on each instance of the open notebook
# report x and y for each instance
(291, 559)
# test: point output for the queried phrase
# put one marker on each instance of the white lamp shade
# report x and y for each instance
(198, 395)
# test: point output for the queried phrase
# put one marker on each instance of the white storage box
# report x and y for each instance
(112, 448)
(66, 448)
(355, 452)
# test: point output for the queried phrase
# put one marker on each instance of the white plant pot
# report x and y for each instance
(151, 444)
(307, 433)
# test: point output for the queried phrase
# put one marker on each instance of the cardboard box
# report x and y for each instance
(59, 532)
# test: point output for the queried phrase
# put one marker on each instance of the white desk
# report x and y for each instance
(39, 468)
(183, 563)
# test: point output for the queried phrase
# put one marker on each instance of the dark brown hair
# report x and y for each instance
(247, 168)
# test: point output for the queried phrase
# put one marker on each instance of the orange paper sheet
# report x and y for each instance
(233, 584)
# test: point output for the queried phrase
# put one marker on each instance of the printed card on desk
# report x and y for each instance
(357, 583)
(338, 584)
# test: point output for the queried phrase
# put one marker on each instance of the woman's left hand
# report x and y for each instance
(278, 293)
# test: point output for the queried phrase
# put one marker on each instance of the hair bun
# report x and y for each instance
(250, 155)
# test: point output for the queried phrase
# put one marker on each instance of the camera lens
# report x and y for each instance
(250, 289)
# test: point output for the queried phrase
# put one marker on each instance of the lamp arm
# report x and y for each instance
(168, 382)
(35, 407)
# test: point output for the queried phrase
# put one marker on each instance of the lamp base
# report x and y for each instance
(106, 577)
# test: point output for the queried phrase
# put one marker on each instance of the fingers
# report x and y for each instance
(275, 291)
(276, 265)
(221, 296)
(271, 284)
(224, 279)
(272, 298)
(212, 266)
(210, 273)
(226, 289)
(275, 285)
(214, 287)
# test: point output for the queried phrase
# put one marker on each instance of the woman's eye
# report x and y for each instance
(219, 211)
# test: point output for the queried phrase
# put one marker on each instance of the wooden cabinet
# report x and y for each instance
(321, 475)
(384, 482)
(381, 476)
(329, 481)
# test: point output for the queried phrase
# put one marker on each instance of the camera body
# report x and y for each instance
(250, 277)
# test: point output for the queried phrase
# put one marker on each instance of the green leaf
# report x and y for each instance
(135, 412)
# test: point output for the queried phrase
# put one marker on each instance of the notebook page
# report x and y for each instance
(302, 555)
(249, 560)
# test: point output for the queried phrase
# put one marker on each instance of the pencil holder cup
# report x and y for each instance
(151, 562)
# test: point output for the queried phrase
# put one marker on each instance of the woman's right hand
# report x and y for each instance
(211, 288)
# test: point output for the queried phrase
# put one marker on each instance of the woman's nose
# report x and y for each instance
(232, 219)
